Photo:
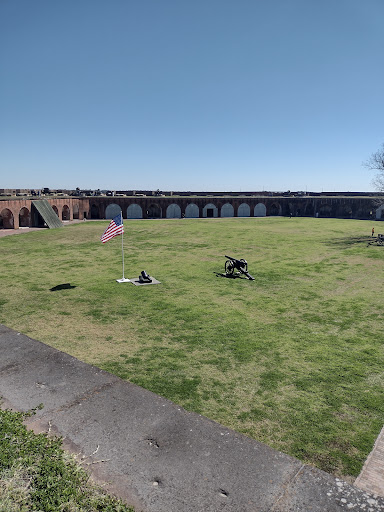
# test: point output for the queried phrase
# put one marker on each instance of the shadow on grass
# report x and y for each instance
(231, 276)
(65, 286)
(349, 241)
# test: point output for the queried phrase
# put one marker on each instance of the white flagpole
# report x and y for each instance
(123, 280)
(122, 243)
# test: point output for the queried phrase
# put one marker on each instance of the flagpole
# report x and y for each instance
(123, 280)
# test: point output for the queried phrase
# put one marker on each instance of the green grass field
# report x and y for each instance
(294, 359)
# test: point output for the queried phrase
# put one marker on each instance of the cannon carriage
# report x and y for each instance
(234, 266)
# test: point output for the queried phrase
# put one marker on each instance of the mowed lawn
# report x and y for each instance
(294, 358)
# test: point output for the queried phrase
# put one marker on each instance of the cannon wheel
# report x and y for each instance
(229, 267)
(245, 265)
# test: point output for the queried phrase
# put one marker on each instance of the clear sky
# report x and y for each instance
(191, 94)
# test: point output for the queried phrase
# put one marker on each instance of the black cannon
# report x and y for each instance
(241, 266)
(144, 277)
(379, 240)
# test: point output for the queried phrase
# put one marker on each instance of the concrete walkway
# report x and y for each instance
(154, 454)
(371, 478)
(7, 232)
(20, 231)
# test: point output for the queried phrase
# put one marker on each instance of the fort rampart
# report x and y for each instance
(19, 212)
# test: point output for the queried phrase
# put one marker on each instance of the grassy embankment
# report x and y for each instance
(36, 474)
(294, 359)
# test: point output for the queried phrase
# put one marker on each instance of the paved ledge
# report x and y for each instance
(154, 454)
(371, 478)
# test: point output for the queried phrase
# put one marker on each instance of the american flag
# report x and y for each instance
(115, 228)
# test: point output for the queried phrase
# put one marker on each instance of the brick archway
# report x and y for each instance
(192, 211)
(95, 212)
(173, 211)
(7, 220)
(134, 211)
(244, 210)
(66, 213)
(274, 209)
(260, 210)
(227, 210)
(210, 210)
(154, 211)
(112, 211)
(24, 218)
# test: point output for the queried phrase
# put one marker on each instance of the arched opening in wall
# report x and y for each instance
(227, 210)
(54, 208)
(134, 211)
(309, 210)
(290, 210)
(379, 213)
(6, 219)
(112, 210)
(274, 210)
(24, 218)
(260, 210)
(244, 210)
(173, 211)
(364, 213)
(75, 211)
(65, 213)
(210, 210)
(344, 212)
(325, 210)
(95, 214)
(192, 211)
(154, 211)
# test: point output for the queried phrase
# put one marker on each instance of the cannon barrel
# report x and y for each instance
(239, 262)
(251, 278)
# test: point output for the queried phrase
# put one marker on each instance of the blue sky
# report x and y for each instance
(190, 95)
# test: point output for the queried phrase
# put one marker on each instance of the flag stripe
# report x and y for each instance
(111, 233)
(114, 228)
